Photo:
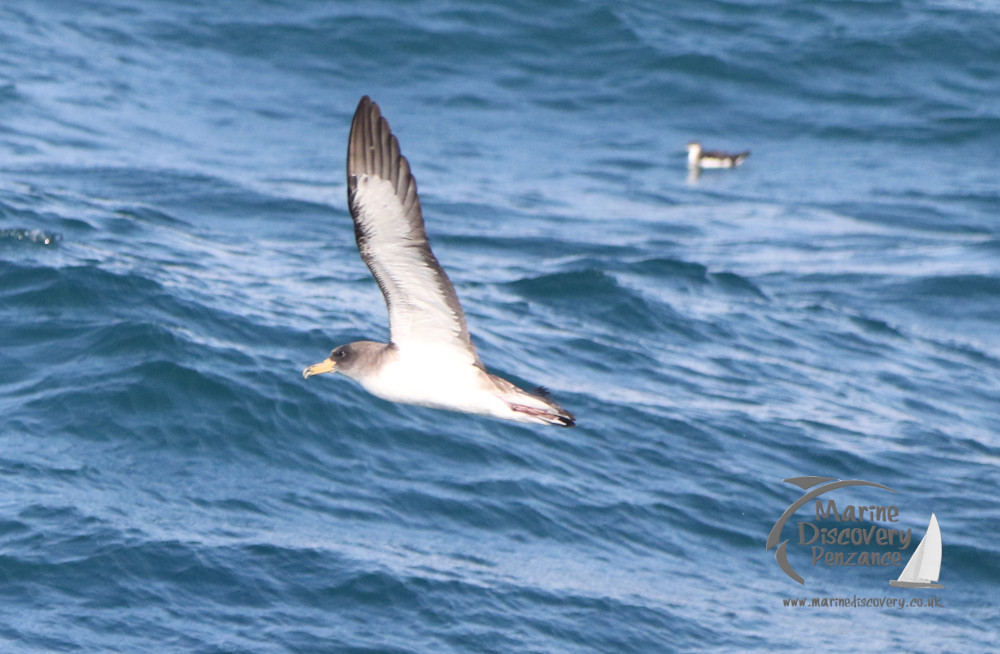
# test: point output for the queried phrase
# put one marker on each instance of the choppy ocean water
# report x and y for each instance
(175, 248)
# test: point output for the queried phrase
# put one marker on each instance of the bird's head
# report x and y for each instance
(694, 152)
(351, 360)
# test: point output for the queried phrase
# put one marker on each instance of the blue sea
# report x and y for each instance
(175, 247)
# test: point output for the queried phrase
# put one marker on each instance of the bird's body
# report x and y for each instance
(699, 158)
(435, 378)
(430, 359)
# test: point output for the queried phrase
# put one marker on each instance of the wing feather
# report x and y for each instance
(389, 228)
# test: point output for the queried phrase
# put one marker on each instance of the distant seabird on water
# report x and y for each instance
(698, 158)
(429, 359)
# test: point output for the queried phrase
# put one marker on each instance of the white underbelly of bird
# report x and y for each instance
(441, 382)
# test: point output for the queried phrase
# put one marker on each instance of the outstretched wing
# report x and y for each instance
(389, 228)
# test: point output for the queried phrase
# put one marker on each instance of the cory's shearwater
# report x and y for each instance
(429, 359)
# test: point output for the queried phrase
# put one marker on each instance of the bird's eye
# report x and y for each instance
(337, 354)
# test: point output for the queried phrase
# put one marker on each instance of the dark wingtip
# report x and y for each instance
(562, 419)
(365, 105)
(565, 419)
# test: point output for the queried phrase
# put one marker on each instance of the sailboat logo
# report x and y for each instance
(924, 566)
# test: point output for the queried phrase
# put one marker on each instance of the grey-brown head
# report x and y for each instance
(354, 360)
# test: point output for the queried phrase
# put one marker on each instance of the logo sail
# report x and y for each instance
(924, 566)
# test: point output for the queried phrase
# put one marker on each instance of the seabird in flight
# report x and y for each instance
(429, 359)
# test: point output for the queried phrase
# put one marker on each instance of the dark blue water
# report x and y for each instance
(175, 248)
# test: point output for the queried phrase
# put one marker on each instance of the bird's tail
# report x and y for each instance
(551, 415)
(536, 406)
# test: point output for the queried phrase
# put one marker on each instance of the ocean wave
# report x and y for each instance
(29, 236)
